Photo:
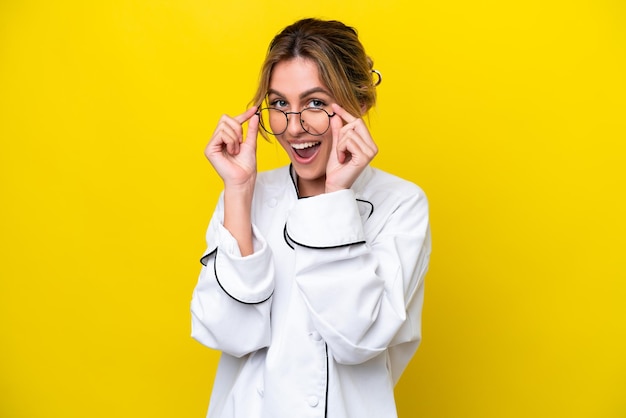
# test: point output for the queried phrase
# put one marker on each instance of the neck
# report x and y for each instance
(308, 188)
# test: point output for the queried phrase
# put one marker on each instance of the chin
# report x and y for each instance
(309, 173)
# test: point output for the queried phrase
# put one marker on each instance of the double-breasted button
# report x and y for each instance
(313, 401)
(315, 336)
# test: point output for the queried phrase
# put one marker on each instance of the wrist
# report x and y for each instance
(331, 188)
(236, 189)
(237, 215)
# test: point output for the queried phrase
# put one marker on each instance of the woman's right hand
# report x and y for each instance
(233, 158)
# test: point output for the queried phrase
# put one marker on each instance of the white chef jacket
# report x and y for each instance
(323, 317)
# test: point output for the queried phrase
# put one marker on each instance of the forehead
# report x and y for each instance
(295, 76)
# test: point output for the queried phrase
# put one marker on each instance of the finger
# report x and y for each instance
(232, 126)
(343, 113)
(348, 146)
(232, 146)
(336, 125)
(230, 138)
(363, 139)
(221, 144)
(356, 148)
(358, 127)
(226, 128)
(245, 115)
(253, 130)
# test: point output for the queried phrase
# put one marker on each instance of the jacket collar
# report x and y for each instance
(358, 186)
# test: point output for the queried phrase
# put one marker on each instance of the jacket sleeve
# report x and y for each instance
(230, 306)
(364, 293)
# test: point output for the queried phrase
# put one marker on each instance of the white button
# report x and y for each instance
(272, 203)
(315, 336)
(313, 401)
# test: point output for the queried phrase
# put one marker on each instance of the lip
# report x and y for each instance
(298, 158)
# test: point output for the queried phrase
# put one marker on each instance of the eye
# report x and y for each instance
(278, 103)
(315, 103)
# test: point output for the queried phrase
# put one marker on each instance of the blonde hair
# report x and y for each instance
(341, 60)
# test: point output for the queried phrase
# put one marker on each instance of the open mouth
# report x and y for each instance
(305, 150)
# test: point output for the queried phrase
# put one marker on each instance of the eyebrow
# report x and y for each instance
(304, 93)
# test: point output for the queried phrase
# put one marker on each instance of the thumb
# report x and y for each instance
(253, 130)
(336, 123)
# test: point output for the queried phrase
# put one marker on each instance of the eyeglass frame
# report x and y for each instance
(258, 113)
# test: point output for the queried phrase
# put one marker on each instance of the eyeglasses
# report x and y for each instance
(315, 121)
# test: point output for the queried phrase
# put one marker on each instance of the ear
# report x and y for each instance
(364, 109)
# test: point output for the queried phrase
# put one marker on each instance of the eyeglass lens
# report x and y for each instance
(313, 121)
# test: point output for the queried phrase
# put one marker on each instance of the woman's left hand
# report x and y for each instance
(353, 149)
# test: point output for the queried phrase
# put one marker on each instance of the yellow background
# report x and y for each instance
(511, 116)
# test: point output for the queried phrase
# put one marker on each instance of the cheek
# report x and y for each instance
(283, 143)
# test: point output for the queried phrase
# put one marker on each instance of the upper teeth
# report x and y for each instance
(304, 145)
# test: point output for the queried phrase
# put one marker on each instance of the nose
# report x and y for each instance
(294, 126)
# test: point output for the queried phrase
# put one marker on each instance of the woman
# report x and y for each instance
(312, 282)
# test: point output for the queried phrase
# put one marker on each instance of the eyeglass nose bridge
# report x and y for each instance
(302, 121)
(299, 119)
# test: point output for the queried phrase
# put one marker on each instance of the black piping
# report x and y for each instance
(319, 248)
(327, 380)
(287, 238)
(203, 260)
(369, 203)
(293, 180)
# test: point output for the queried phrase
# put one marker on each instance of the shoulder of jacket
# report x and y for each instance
(382, 183)
(277, 177)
